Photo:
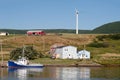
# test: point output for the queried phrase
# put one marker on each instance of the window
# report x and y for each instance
(66, 49)
(83, 55)
(69, 54)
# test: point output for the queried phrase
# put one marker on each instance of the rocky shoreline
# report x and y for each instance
(49, 65)
(80, 65)
(4, 65)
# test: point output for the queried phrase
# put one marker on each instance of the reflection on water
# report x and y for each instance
(61, 73)
(72, 73)
(23, 73)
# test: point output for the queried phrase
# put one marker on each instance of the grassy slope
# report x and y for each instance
(43, 43)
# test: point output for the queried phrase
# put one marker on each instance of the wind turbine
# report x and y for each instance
(76, 13)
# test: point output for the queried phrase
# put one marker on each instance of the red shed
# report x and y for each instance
(36, 32)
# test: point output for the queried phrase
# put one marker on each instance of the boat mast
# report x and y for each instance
(23, 51)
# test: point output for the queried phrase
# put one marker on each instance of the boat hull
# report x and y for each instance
(12, 64)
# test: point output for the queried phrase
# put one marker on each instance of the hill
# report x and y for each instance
(66, 31)
(14, 31)
(113, 27)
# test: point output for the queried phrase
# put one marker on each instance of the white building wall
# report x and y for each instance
(3, 34)
(59, 52)
(84, 54)
(69, 52)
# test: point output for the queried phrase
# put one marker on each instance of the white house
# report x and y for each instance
(83, 54)
(69, 52)
(4, 33)
(66, 52)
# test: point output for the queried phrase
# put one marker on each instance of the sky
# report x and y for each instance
(57, 14)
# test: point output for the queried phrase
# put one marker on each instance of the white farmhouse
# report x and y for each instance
(69, 52)
(4, 33)
(66, 52)
(83, 54)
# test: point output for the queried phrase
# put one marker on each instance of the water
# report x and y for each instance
(61, 73)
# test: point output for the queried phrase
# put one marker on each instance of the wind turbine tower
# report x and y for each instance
(76, 13)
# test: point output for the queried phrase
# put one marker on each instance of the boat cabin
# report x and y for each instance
(23, 61)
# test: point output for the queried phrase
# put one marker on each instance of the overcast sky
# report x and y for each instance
(57, 14)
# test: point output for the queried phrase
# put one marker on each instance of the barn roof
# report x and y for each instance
(35, 31)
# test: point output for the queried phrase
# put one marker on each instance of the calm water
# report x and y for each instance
(61, 73)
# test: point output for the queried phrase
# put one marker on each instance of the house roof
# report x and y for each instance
(56, 45)
(35, 31)
(64, 46)
(83, 51)
(60, 46)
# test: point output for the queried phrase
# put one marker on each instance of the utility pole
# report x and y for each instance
(43, 43)
(1, 53)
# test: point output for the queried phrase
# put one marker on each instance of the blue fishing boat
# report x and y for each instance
(23, 63)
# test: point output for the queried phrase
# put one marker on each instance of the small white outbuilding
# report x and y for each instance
(83, 54)
(66, 52)
(4, 33)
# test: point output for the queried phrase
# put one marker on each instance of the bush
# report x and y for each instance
(101, 38)
(41, 54)
(115, 36)
(111, 36)
(29, 52)
(98, 45)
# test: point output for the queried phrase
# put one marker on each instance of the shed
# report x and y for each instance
(4, 33)
(83, 54)
(36, 32)
(53, 47)
(66, 52)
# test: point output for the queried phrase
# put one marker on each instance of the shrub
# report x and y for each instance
(101, 38)
(98, 45)
(115, 36)
(29, 52)
(111, 36)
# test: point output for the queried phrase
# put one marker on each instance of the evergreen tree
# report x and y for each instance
(29, 52)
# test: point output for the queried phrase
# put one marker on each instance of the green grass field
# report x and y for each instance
(43, 44)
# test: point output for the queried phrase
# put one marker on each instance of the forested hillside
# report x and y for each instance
(13, 31)
(113, 27)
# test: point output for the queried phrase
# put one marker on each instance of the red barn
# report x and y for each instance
(36, 32)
